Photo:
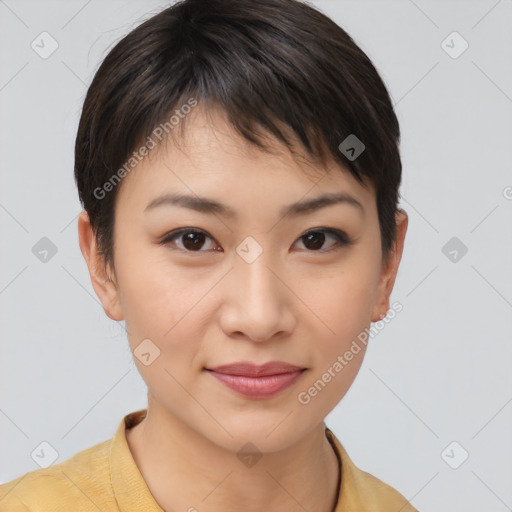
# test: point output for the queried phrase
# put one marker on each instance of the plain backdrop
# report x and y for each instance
(430, 412)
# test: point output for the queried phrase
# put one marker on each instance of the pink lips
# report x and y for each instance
(256, 381)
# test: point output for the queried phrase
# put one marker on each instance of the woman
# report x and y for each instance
(239, 168)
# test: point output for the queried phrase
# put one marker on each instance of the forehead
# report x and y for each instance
(211, 159)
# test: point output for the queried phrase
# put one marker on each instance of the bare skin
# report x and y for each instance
(205, 306)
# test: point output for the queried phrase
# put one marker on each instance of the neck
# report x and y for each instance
(186, 471)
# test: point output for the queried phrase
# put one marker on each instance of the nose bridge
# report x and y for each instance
(257, 299)
(256, 283)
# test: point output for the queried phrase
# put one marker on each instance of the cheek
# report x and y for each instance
(156, 298)
(163, 307)
(342, 303)
(343, 298)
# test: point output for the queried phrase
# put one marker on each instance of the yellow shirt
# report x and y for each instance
(105, 478)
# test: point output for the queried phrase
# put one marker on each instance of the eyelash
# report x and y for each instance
(342, 238)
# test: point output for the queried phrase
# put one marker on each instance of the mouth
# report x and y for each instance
(255, 381)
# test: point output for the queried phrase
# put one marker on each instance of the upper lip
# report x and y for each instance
(253, 370)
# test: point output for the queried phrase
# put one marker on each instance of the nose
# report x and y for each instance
(258, 301)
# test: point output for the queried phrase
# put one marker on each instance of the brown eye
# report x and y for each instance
(189, 240)
(313, 240)
(194, 240)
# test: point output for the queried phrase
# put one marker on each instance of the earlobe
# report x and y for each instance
(106, 289)
(390, 269)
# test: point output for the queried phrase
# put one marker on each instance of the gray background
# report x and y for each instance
(438, 373)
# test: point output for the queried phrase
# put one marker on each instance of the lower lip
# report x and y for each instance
(258, 387)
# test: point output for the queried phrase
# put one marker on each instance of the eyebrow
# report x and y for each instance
(210, 206)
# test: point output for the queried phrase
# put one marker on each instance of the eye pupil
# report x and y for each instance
(191, 241)
(316, 237)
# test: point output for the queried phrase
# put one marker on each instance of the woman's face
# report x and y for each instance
(254, 285)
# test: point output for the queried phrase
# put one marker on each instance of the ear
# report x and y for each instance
(390, 268)
(106, 289)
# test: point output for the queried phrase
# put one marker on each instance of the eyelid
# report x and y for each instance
(167, 238)
(343, 239)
